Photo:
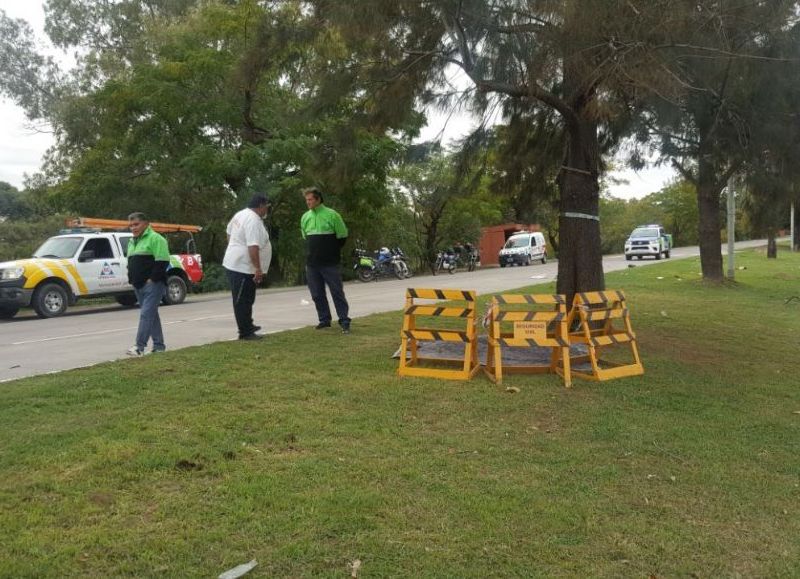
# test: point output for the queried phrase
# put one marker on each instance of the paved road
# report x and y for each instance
(89, 335)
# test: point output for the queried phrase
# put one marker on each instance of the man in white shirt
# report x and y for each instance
(247, 261)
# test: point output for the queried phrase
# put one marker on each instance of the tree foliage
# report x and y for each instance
(182, 108)
(729, 54)
(588, 64)
(13, 203)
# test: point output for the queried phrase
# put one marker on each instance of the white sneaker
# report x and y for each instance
(134, 351)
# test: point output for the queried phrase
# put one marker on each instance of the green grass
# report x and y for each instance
(307, 452)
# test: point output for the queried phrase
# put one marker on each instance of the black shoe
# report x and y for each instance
(253, 336)
(254, 329)
(345, 329)
(322, 325)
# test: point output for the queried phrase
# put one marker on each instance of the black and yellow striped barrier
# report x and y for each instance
(411, 363)
(597, 313)
(542, 322)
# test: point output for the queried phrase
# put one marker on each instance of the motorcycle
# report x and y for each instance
(472, 257)
(384, 263)
(445, 261)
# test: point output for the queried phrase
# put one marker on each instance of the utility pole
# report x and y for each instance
(791, 228)
(731, 225)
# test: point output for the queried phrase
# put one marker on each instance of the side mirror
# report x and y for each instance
(87, 255)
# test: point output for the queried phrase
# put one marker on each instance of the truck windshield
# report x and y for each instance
(645, 232)
(59, 247)
(517, 242)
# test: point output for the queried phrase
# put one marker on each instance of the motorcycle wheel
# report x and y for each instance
(399, 272)
(364, 274)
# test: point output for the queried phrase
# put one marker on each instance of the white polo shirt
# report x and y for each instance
(247, 229)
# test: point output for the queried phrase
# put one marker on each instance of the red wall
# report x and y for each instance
(494, 238)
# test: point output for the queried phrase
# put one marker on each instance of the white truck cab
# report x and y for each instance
(84, 262)
(648, 240)
(523, 248)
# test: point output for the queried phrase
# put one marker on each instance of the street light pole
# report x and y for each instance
(731, 225)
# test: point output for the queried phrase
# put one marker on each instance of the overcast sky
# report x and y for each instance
(22, 145)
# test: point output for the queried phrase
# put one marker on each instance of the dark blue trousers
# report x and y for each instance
(318, 277)
(243, 289)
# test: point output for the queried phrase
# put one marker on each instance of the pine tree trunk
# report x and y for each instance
(772, 244)
(708, 192)
(580, 261)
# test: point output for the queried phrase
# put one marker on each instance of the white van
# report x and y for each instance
(523, 248)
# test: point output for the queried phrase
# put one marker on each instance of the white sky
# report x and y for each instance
(22, 145)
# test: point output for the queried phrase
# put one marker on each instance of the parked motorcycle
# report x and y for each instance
(469, 254)
(445, 261)
(383, 263)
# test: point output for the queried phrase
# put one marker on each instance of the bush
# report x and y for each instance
(20, 238)
(214, 279)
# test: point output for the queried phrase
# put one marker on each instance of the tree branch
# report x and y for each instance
(685, 173)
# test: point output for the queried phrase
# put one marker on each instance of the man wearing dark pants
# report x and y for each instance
(325, 234)
(246, 261)
(148, 260)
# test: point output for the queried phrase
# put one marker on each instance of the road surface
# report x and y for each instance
(90, 335)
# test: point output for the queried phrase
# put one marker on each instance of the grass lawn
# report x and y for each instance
(307, 452)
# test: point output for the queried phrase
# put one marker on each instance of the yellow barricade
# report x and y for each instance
(411, 334)
(597, 313)
(532, 326)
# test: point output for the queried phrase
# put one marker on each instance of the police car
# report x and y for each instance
(85, 261)
(648, 240)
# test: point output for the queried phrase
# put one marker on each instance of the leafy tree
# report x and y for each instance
(449, 201)
(430, 187)
(182, 109)
(675, 207)
(677, 203)
(20, 238)
(586, 62)
(13, 203)
(726, 54)
(27, 78)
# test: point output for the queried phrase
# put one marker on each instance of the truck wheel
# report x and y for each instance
(527, 260)
(628, 258)
(127, 300)
(176, 291)
(544, 258)
(666, 254)
(8, 312)
(658, 255)
(502, 264)
(49, 300)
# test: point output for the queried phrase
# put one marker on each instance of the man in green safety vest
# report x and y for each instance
(325, 233)
(148, 259)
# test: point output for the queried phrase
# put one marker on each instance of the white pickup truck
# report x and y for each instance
(86, 262)
(649, 240)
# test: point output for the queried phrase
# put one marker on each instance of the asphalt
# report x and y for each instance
(85, 336)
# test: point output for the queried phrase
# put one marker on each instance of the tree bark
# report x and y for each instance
(772, 244)
(708, 192)
(580, 260)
